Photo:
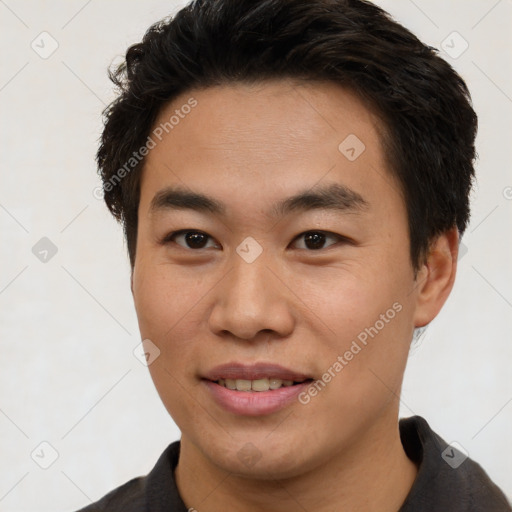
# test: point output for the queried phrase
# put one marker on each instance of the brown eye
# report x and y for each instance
(192, 239)
(315, 240)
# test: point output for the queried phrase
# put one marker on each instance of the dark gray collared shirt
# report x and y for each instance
(446, 480)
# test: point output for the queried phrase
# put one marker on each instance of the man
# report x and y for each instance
(293, 181)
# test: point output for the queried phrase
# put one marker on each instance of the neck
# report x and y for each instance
(373, 474)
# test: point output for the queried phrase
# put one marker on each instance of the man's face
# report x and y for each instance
(304, 288)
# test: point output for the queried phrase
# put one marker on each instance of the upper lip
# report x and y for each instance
(254, 372)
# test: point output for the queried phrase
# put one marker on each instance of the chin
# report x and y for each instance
(272, 462)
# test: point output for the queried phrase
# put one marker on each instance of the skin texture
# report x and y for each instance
(249, 147)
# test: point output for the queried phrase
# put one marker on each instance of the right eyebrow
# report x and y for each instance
(334, 196)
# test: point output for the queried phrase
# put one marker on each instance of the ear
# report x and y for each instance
(435, 280)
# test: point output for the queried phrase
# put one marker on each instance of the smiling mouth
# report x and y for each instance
(258, 385)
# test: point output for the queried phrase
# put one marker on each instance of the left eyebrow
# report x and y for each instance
(333, 196)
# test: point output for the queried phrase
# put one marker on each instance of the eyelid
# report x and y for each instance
(168, 238)
(339, 238)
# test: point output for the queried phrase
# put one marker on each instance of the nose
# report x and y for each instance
(252, 299)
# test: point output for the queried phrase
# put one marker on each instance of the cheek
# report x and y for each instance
(164, 301)
(349, 300)
(165, 309)
(370, 326)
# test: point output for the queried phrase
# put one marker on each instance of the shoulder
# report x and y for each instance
(129, 497)
(447, 478)
(156, 491)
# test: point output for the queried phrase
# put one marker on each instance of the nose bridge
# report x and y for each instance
(248, 281)
(249, 291)
(251, 298)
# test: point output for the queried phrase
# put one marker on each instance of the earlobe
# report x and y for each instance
(436, 278)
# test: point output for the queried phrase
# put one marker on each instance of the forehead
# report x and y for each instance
(287, 116)
(273, 137)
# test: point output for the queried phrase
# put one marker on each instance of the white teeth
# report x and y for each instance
(230, 383)
(254, 385)
(243, 385)
(260, 385)
(275, 383)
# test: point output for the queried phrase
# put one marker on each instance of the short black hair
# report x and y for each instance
(429, 125)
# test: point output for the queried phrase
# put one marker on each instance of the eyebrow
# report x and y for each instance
(328, 197)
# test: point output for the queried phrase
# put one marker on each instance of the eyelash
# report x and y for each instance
(169, 238)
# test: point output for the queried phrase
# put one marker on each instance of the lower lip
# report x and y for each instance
(255, 403)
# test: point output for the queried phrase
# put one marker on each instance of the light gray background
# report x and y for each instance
(68, 326)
